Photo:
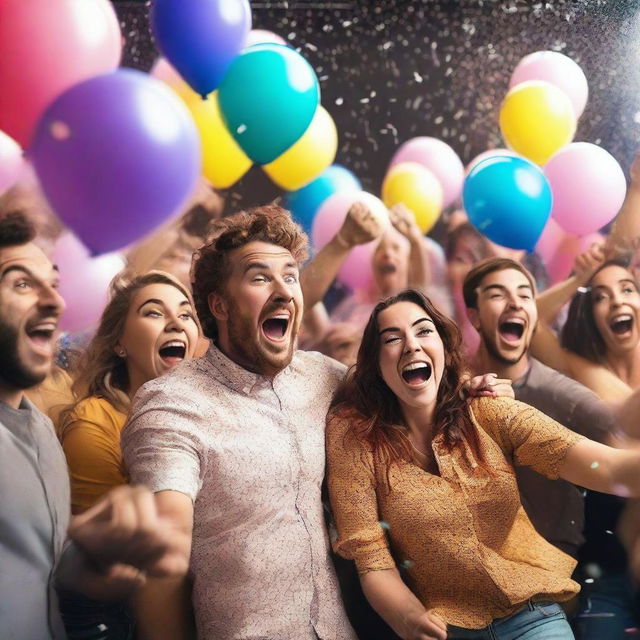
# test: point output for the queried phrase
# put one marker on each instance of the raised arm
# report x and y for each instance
(626, 227)
(404, 222)
(359, 227)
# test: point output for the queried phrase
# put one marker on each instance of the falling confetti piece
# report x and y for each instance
(595, 465)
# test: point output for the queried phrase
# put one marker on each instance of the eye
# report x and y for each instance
(391, 339)
(599, 297)
(153, 313)
(425, 331)
(496, 296)
(259, 279)
(23, 284)
(186, 316)
(291, 279)
(628, 290)
(525, 296)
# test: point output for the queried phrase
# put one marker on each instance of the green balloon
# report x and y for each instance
(268, 99)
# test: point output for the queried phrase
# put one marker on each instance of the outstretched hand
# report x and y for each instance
(124, 532)
(488, 386)
(404, 221)
(587, 263)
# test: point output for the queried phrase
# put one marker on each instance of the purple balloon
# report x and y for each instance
(116, 155)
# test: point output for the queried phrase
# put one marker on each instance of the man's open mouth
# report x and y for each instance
(416, 373)
(275, 328)
(42, 333)
(173, 352)
(386, 269)
(622, 324)
(511, 330)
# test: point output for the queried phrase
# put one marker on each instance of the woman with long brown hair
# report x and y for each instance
(421, 479)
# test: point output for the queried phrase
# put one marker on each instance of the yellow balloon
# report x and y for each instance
(309, 156)
(417, 188)
(537, 119)
(223, 161)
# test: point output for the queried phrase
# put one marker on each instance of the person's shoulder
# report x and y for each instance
(494, 409)
(544, 377)
(93, 407)
(317, 363)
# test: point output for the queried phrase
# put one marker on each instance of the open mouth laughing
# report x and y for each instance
(173, 352)
(275, 328)
(511, 330)
(415, 374)
(41, 334)
(622, 324)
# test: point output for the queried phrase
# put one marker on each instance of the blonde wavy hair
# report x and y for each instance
(101, 372)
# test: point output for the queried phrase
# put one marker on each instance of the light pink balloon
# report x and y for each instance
(588, 187)
(439, 158)
(356, 270)
(558, 69)
(46, 47)
(11, 162)
(84, 281)
(163, 71)
(261, 36)
(490, 153)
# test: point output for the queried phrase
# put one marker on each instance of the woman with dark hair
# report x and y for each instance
(599, 344)
(422, 479)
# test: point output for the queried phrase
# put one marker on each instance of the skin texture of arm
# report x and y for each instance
(162, 607)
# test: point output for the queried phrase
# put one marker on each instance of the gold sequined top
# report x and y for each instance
(470, 551)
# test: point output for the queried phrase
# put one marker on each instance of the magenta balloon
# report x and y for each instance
(47, 46)
(11, 162)
(557, 69)
(588, 187)
(116, 156)
(84, 282)
(440, 159)
(356, 271)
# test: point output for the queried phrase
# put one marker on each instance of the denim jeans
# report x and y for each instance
(537, 621)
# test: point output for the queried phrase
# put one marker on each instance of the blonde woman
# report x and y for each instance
(148, 327)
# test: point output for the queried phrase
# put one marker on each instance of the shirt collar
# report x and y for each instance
(234, 376)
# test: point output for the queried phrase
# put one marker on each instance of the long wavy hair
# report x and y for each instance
(580, 334)
(101, 371)
(377, 412)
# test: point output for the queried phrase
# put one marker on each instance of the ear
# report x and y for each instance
(218, 306)
(472, 315)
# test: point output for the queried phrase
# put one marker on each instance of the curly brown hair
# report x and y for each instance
(378, 416)
(211, 265)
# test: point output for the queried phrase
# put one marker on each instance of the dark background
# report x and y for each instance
(391, 70)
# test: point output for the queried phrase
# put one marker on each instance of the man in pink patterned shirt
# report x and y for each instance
(232, 444)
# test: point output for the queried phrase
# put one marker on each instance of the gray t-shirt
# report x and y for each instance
(34, 516)
(556, 507)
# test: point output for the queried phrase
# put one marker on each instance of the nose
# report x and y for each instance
(616, 299)
(50, 299)
(411, 344)
(174, 323)
(514, 301)
(282, 291)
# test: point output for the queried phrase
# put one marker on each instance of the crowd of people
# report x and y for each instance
(232, 453)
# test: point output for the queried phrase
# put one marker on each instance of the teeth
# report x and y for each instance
(415, 365)
(514, 321)
(174, 343)
(622, 318)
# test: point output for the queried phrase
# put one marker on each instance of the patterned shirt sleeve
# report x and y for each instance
(352, 490)
(528, 436)
(160, 445)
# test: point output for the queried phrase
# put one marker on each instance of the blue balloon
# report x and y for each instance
(201, 38)
(305, 203)
(509, 200)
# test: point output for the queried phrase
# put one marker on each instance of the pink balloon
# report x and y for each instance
(84, 281)
(489, 153)
(558, 69)
(47, 47)
(550, 240)
(260, 36)
(588, 187)
(440, 159)
(11, 162)
(163, 71)
(356, 270)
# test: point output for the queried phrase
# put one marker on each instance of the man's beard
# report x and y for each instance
(244, 343)
(13, 372)
(493, 351)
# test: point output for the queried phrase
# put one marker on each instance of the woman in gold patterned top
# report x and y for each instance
(418, 478)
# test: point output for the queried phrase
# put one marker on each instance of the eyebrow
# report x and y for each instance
(627, 280)
(28, 272)
(418, 321)
(503, 288)
(264, 265)
(156, 301)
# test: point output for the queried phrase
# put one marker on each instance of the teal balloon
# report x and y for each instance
(268, 99)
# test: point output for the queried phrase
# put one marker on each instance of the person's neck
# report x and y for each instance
(626, 366)
(485, 362)
(233, 355)
(419, 421)
(11, 396)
